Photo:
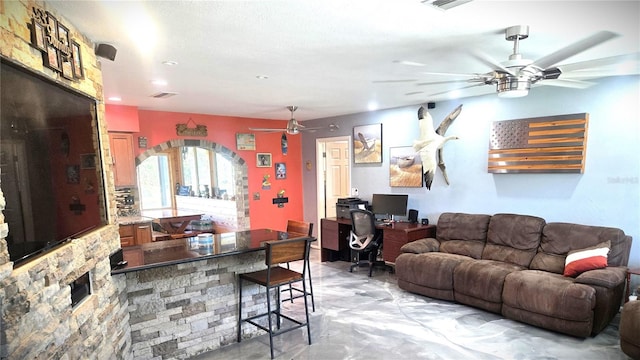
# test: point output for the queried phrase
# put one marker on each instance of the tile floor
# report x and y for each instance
(358, 317)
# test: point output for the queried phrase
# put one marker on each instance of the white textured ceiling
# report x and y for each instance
(325, 56)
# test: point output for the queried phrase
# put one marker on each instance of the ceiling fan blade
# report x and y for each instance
(409, 63)
(573, 49)
(393, 81)
(450, 74)
(567, 83)
(267, 129)
(602, 62)
(464, 87)
(490, 62)
(450, 82)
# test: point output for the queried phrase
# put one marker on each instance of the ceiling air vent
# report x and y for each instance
(163, 95)
(445, 4)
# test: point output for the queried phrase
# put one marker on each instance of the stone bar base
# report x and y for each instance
(182, 310)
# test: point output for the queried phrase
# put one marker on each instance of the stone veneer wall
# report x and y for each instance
(179, 311)
(37, 320)
(243, 220)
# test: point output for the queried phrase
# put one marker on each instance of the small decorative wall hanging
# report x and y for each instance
(87, 161)
(552, 144)
(367, 144)
(190, 128)
(142, 142)
(284, 143)
(256, 196)
(280, 200)
(263, 160)
(405, 167)
(245, 141)
(266, 185)
(281, 171)
(73, 174)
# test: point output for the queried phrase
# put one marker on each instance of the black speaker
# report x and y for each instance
(413, 216)
(106, 51)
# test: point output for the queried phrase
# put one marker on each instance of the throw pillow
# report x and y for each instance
(591, 258)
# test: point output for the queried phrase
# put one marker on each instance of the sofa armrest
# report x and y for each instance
(421, 246)
(608, 277)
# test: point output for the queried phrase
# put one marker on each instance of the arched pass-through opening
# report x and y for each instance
(239, 167)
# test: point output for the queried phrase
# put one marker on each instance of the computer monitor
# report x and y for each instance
(389, 204)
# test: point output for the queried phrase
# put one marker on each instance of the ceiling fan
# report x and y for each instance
(293, 127)
(514, 77)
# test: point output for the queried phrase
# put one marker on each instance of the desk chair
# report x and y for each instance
(277, 252)
(365, 240)
(301, 227)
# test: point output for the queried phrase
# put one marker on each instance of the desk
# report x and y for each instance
(335, 238)
(173, 221)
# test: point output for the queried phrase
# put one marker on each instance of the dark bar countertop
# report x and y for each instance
(169, 252)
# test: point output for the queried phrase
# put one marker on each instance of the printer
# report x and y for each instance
(344, 205)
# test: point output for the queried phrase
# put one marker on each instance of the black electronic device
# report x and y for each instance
(344, 205)
(389, 205)
(425, 221)
(106, 51)
(413, 216)
(50, 197)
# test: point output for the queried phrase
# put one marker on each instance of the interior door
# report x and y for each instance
(337, 174)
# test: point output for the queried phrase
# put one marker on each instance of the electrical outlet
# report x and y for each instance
(354, 191)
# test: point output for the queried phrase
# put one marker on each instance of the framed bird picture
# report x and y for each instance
(367, 144)
(405, 167)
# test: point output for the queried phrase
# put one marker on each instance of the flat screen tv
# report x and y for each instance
(389, 204)
(50, 166)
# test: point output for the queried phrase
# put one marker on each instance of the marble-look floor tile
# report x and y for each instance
(358, 317)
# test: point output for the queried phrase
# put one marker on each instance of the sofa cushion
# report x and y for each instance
(480, 283)
(513, 238)
(591, 258)
(420, 246)
(462, 234)
(549, 294)
(560, 238)
(432, 270)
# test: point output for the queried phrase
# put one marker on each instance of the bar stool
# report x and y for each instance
(277, 252)
(301, 227)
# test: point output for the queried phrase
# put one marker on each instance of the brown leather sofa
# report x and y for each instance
(513, 265)
(630, 329)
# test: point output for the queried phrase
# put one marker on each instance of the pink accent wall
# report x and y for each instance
(159, 127)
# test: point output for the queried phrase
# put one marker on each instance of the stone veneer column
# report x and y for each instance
(37, 319)
(179, 311)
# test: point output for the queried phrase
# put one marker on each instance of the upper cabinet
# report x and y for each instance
(122, 118)
(123, 159)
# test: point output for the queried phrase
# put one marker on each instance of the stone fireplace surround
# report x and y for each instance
(37, 320)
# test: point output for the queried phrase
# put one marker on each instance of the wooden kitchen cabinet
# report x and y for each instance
(124, 169)
(135, 234)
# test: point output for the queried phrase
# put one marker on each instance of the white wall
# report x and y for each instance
(607, 194)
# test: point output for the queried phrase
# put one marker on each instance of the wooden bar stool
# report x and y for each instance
(277, 252)
(301, 227)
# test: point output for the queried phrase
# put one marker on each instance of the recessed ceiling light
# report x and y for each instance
(372, 106)
(262, 77)
(159, 82)
(170, 62)
(114, 98)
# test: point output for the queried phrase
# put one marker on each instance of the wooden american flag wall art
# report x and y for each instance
(552, 144)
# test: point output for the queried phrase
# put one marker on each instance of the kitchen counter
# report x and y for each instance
(183, 295)
(129, 220)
